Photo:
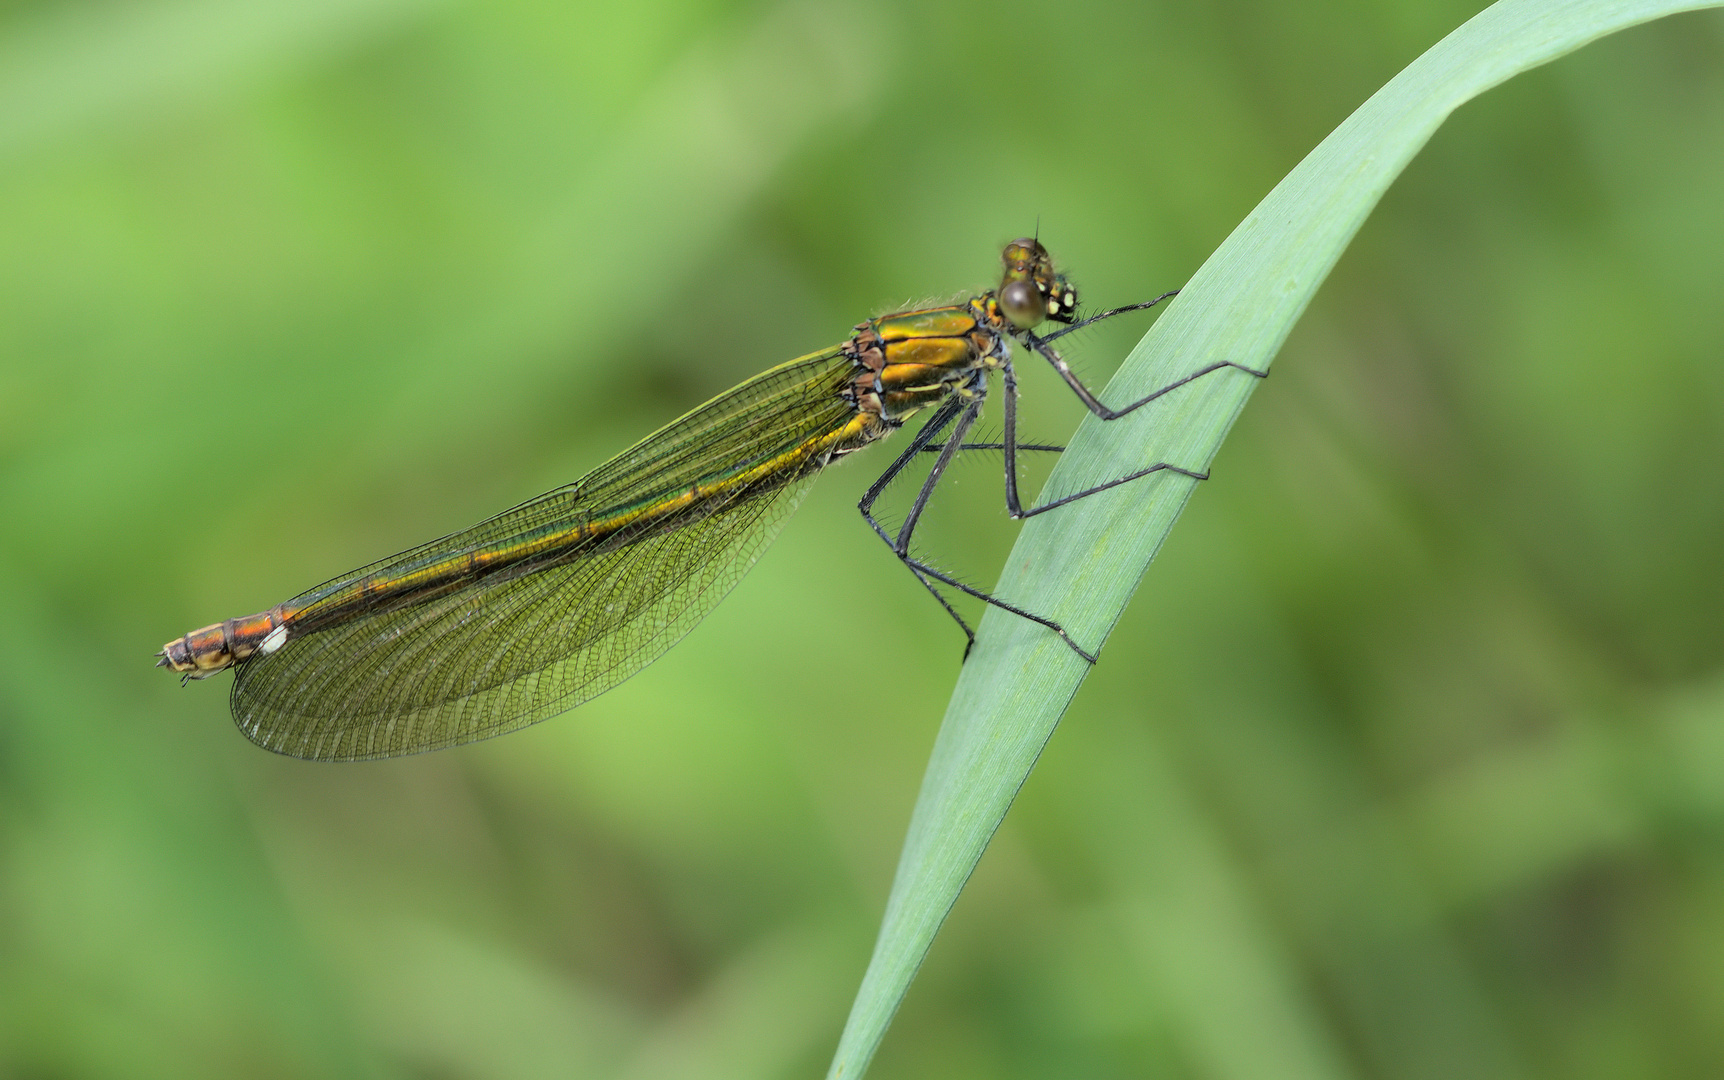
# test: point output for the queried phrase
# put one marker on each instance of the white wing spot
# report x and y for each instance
(273, 640)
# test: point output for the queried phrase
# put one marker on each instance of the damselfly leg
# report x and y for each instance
(960, 412)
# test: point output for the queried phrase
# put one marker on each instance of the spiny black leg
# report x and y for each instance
(1094, 405)
(1040, 344)
(1009, 377)
(920, 568)
(936, 423)
(1013, 506)
(1160, 466)
(969, 635)
(997, 446)
(972, 409)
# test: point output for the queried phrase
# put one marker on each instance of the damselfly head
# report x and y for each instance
(1030, 290)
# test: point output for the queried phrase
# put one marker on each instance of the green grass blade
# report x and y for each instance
(1082, 564)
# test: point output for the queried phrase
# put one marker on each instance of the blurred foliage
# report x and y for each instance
(1408, 762)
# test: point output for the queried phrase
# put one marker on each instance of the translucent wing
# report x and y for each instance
(492, 654)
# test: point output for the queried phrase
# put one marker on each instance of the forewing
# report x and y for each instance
(504, 652)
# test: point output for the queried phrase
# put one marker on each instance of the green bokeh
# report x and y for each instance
(1418, 723)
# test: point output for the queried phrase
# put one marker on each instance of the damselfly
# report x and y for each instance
(552, 603)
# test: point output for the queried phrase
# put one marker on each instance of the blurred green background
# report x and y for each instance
(1407, 761)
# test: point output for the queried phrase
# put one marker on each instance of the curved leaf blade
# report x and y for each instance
(1081, 565)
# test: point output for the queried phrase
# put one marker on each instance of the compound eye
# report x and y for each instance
(1023, 304)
